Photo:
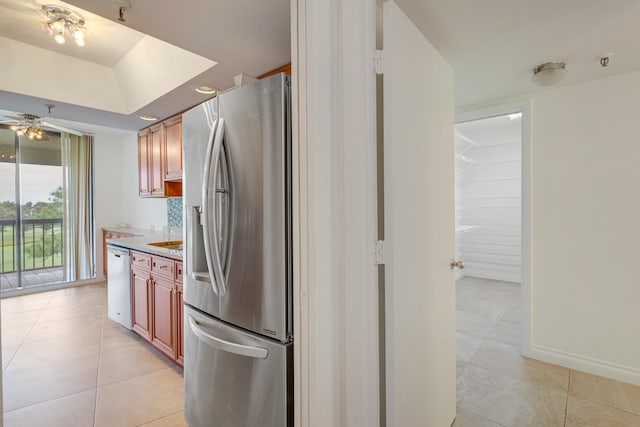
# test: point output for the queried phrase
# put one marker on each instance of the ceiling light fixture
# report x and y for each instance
(32, 130)
(549, 73)
(147, 117)
(207, 90)
(514, 116)
(61, 20)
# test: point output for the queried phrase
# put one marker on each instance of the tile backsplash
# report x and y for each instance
(174, 212)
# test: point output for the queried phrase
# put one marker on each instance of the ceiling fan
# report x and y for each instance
(32, 126)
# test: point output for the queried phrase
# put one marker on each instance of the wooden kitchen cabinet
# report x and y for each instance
(161, 279)
(173, 148)
(160, 159)
(140, 301)
(179, 308)
(144, 162)
(284, 69)
(163, 315)
(156, 159)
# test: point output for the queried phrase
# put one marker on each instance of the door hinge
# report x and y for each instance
(377, 61)
(379, 252)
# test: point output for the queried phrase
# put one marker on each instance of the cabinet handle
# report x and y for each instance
(163, 267)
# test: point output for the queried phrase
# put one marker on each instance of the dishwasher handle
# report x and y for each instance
(117, 251)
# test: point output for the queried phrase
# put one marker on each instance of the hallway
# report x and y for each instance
(498, 387)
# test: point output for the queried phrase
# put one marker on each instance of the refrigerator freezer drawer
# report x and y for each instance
(234, 377)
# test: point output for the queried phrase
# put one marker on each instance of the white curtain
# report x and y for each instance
(78, 241)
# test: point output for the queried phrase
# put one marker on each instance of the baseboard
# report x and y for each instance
(45, 288)
(587, 364)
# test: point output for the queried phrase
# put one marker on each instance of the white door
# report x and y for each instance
(419, 227)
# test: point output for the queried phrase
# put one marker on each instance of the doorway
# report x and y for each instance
(46, 209)
(492, 235)
(31, 217)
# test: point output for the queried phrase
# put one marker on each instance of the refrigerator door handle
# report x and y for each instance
(212, 253)
(229, 347)
(201, 276)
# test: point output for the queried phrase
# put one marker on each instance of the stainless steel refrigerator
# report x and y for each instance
(238, 366)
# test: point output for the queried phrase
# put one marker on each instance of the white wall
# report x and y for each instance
(138, 212)
(107, 187)
(585, 205)
(488, 196)
(116, 188)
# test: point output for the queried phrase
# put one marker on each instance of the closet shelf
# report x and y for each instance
(465, 228)
(466, 159)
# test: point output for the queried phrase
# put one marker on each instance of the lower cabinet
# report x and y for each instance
(156, 293)
(180, 325)
(163, 316)
(140, 301)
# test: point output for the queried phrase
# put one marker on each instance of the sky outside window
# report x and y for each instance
(37, 182)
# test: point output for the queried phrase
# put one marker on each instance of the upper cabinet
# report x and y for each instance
(173, 148)
(143, 163)
(156, 158)
(284, 69)
(160, 159)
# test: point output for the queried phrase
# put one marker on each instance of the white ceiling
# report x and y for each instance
(107, 42)
(494, 45)
(491, 45)
(246, 36)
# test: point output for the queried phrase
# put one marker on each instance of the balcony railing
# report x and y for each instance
(41, 244)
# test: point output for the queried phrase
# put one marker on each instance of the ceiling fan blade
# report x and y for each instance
(60, 128)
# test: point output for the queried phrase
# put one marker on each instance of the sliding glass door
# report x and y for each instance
(31, 210)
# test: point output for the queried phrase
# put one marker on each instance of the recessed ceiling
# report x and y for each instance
(107, 41)
(240, 35)
(121, 80)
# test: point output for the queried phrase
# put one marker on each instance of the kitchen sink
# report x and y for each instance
(175, 244)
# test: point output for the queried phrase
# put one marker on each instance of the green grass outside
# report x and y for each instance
(29, 261)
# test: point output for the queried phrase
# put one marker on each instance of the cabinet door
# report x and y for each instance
(163, 315)
(179, 326)
(141, 299)
(156, 136)
(144, 163)
(173, 148)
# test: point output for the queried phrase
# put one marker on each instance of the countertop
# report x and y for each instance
(142, 238)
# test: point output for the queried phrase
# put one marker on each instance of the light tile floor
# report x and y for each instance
(65, 363)
(498, 387)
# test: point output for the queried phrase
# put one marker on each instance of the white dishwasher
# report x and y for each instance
(119, 285)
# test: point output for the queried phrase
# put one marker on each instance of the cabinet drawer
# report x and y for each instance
(141, 260)
(178, 277)
(163, 267)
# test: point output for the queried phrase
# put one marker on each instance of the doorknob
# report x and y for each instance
(454, 264)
